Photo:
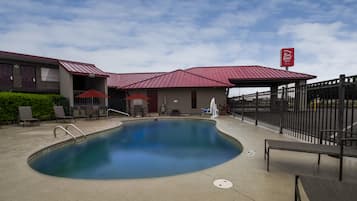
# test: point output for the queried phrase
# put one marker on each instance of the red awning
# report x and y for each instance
(137, 96)
(92, 93)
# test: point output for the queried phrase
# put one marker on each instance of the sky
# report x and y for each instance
(146, 36)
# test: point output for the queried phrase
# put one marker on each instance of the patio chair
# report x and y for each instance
(314, 188)
(205, 111)
(138, 111)
(60, 115)
(76, 112)
(338, 151)
(92, 112)
(79, 112)
(102, 112)
(25, 115)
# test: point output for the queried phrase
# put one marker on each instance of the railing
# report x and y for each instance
(116, 111)
(76, 128)
(86, 101)
(303, 111)
(65, 130)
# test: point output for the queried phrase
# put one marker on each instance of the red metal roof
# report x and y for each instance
(119, 80)
(215, 76)
(211, 76)
(226, 73)
(73, 67)
(176, 79)
(78, 68)
(26, 57)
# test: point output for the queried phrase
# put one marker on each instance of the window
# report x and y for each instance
(49, 75)
(193, 99)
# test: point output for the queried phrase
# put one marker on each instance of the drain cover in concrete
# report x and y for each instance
(222, 183)
(251, 153)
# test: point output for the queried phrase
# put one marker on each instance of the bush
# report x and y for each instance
(42, 105)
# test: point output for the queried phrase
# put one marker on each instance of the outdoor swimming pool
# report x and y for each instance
(141, 149)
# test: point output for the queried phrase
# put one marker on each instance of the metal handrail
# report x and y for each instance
(76, 128)
(116, 111)
(65, 130)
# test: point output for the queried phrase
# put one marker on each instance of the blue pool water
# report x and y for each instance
(141, 150)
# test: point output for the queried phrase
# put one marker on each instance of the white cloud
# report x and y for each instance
(136, 36)
(329, 49)
(116, 39)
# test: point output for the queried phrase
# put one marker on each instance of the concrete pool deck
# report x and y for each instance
(251, 181)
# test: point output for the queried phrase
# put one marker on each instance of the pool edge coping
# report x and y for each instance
(65, 142)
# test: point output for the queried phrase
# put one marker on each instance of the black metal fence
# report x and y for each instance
(305, 111)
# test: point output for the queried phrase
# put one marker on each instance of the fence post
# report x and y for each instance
(242, 107)
(256, 108)
(341, 105)
(282, 110)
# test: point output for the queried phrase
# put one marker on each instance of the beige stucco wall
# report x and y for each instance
(183, 95)
(106, 90)
(301, 95)
(66, 85)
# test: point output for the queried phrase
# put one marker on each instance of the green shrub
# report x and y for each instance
(42, 105)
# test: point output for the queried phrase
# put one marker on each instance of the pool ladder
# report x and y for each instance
(116, 111)
(66, 130)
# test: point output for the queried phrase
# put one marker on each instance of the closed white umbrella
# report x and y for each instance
(213, 108)
(211, 105)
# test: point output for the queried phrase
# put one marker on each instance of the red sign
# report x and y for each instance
(287, 57)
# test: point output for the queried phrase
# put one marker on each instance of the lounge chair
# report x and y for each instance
(92, 112)
(60, 115)
(205, 111)
(76, 112)
(332, 150)
(79, 112)
(319, 189)
(102, 112)
(25, 115)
